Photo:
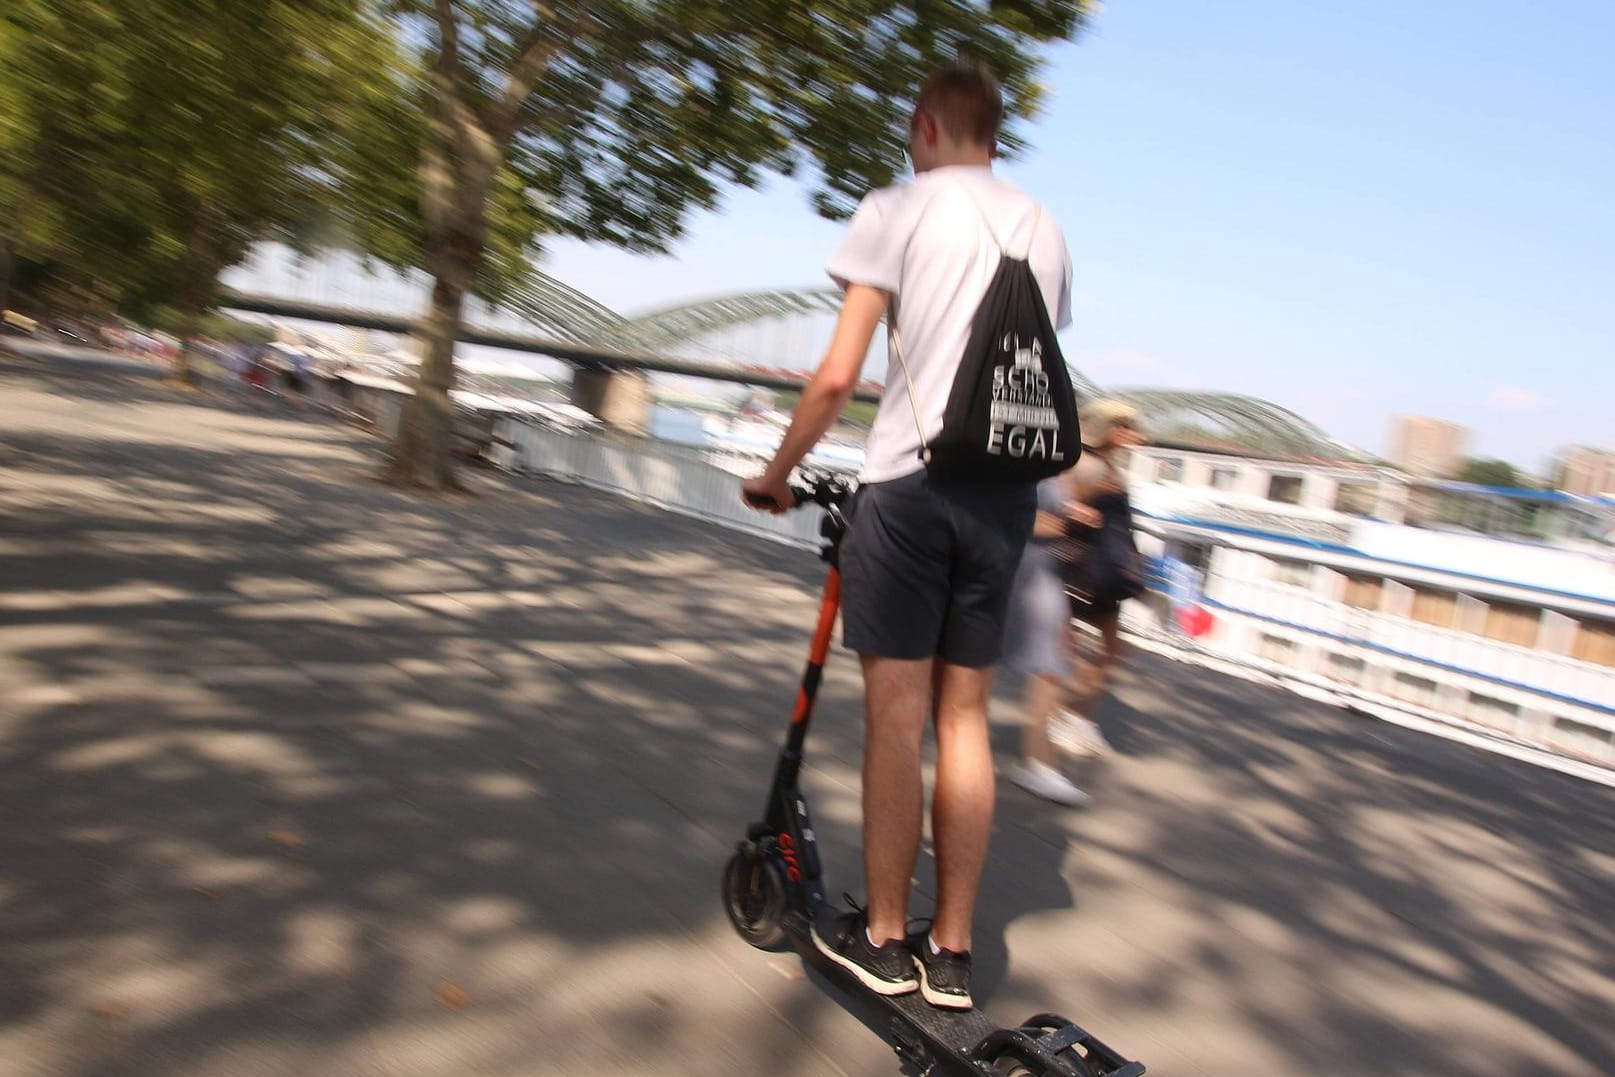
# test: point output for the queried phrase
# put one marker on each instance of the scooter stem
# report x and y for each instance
(813, 674)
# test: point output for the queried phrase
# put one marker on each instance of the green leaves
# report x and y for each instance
(631, 114)
(153, 141)
(612, 120)
(1488, 472)
(147, 144)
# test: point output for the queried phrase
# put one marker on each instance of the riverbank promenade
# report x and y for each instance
(302, 776)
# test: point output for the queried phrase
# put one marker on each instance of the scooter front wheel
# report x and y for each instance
(754, 897)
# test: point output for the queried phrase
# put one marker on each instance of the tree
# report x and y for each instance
(147, 145)
(611, 120)
(1486, 472)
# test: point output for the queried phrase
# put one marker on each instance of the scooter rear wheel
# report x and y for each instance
(754, 898)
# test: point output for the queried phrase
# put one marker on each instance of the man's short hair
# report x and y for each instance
(965, 100)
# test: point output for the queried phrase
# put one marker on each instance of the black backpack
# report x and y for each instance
(1012, 413)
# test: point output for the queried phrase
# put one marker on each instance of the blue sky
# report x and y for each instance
(1352, 210)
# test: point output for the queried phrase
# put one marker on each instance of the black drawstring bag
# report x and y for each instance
(1012, 413)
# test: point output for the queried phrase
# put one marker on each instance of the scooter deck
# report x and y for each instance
(914, 1025)
(955, 1030)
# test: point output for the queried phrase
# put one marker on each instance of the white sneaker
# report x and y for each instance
(1094, 737)
(1063, 735)
(1077, 735)
(1042, 780)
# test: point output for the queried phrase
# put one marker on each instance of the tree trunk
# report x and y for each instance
(455, 201)
(190, 329)
(421, 453)
(6, 262)
(193, 301)
(457, 169)
(197, 276)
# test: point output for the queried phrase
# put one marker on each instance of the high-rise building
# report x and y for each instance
(1587, 471)
(1432, 447)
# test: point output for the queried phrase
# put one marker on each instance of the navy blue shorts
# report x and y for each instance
(927, 566)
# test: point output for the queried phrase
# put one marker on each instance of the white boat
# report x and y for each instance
(1487, 611)
(1489, 608)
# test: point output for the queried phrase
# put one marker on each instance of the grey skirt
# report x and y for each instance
(1037, 630)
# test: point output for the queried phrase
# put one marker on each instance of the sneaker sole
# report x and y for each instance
(940, 999)
(1059, 800)
(1075, 798)
(1069, 745)
(879, 986)
(1082, 751)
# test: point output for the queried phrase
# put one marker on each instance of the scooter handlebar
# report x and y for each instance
(825, 491)
(799, 494)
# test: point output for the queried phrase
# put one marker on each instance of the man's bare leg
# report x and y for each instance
(897, 698)
(962, 806)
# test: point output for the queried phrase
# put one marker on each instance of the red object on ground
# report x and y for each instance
(1195, 621)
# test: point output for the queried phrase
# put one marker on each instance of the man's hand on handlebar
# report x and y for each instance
(768, 495)
(825, 489)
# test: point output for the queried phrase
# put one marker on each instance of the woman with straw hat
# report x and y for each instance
(1077, 565)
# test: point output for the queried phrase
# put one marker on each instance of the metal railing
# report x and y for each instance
(689, 481)
(678, 478)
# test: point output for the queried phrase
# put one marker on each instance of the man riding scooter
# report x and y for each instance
(929, 556)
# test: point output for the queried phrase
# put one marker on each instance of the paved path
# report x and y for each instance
(302, 776)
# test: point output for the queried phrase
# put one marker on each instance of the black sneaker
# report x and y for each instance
(887, 969)
(944, 976)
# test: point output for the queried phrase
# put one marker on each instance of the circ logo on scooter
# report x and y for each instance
(793, 867)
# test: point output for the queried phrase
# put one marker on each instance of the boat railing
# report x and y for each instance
(1532, 668)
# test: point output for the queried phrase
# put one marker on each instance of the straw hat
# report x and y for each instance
(1102, 418)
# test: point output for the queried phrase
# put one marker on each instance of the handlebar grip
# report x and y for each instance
(758, 502)
(801, 495)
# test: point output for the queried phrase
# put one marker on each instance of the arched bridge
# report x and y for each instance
(548, 317)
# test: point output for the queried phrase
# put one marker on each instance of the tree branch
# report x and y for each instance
(531, 62)
(455, 109)
(448, 32)
(503, 115)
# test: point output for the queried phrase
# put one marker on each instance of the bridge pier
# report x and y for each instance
(619, 398)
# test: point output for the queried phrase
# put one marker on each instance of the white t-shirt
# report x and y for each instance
(928, 243)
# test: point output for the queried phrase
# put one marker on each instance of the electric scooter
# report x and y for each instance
(773, 888)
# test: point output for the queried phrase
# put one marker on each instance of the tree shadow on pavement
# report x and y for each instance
(1346, 894)
(300, 774)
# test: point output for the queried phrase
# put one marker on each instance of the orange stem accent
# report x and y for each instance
(829, 607)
